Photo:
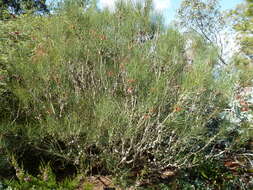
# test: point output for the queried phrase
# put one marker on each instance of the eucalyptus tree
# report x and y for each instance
(205, 18)
(243, 24)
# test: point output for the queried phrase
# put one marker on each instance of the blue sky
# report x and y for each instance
(175, 4)
(229, 4)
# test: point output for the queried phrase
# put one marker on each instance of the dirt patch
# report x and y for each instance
(98, 183)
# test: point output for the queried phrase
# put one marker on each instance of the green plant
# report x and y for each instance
(46, 180)
(102, 92)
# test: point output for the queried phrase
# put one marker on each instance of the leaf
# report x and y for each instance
(203, 174)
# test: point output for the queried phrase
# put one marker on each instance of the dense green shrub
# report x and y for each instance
(106, 90)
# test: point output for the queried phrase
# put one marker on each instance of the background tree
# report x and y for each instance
(12, 7)
(205, 18)
(243, 24)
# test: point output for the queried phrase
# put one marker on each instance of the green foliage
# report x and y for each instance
(11, 7)
(243, 19)
(104, 91)
(210, 174)
(46, 180)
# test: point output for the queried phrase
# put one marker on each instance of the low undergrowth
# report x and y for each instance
(208, 175)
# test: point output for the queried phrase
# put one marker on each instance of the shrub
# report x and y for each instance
(107, 90)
